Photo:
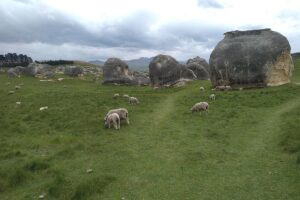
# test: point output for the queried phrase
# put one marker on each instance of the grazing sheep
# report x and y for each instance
(122, 112)
(43, 108)
(117, 95)
(133, 100)
(18, 103)
(11, 92)
(17, 87)
(199, 107)
(212, 97)
(60, 79)
(126, 96)
(113, 119)
(202, 89)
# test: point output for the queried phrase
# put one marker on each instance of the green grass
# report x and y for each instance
(247, 147)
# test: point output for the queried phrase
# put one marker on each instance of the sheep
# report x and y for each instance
(133, 100)
(113, 119)
(212, 97)
(117, 95)
(125, 95)
(199, 107)
(43, 108)
(17, 87)
(202, 89)
(11, 92)
(60, 79)
(122, 112)
(18, 102)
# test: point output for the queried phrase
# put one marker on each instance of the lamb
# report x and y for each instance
(133, 100)
(122, 112)
(113, 119)
(117, 95)
(202, 89)
(199, 107)
(212, 97)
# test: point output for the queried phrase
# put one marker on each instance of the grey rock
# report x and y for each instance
(254, 58)
(34, 69)
(15, 72)
(115, 71)
(199, 66)
(165, 70)
(73, 71)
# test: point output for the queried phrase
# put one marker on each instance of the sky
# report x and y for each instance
(129, 29)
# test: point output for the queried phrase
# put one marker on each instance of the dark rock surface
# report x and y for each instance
(165, 70)
(253, 58)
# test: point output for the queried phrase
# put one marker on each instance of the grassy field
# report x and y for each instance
(248, 147)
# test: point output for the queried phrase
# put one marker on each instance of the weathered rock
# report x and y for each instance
(252, 58)
(34, 69)
(199, 66)
(73, 71)
(15, 72)
(164, 70)
(115, 71)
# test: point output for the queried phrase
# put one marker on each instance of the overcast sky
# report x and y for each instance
(99, 29)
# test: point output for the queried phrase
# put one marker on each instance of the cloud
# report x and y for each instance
(209, 4)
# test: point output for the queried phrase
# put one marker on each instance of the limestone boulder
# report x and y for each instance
(165, 70)
(73, 71)
(253, 58)
(199, 66)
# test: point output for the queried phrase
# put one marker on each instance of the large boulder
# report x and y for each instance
(34, 69)
(116, 71)
(254, 58)
(73, 71)
(165, 70)
(199, 66)
(15, 71)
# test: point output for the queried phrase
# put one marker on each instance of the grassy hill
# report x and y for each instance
(247, 147)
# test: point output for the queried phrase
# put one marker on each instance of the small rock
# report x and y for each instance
(18, 103)
(43, 108)
(42, 196)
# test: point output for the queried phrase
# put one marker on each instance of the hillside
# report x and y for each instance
(247, 147)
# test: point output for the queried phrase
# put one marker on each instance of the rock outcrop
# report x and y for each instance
(165, 70)
(34, 69)
(116, 71)
(254, 58)
(15, 71)
(199, 66)
(73, 71)
(12, 60)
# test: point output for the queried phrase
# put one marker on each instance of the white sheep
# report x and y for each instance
(18, 102)
(17, 87)
(112, 119)
(122, 112)
(199, 107)
(60, 79)
(11, 92)
(125, 95)
(43, 108)
(202, 89)
(212, 97)
(133, 100)
(117, 95)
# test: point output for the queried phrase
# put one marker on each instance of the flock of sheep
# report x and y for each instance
(114, 117)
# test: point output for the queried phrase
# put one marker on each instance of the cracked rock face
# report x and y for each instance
(255, 58)
(165, 70)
